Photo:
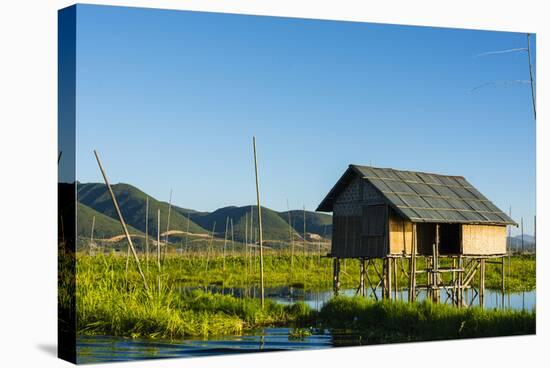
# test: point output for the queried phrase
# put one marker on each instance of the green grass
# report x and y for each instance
(107, 304)
(202, 270)
(385, 321)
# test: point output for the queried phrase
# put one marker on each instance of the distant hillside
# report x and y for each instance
(132, 204)
(274, 226)
(104, 227)
(318, 223)
(514, 243)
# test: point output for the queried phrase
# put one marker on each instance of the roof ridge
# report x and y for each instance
(407, 171)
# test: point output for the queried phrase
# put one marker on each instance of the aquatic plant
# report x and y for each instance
(386, 321)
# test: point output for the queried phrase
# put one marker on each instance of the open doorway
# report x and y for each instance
(449, 239)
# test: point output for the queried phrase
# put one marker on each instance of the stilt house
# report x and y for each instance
(380, 212)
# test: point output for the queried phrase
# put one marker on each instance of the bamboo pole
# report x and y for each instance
(395, 283)
(522, 246)
(533, 95)
(187, 231)
(158, 251)
(147, 235)
(388, 277)
(232, 237)
(362, 277)
(225, 242)
(167, 225)
(336, 276)
(291, 238)
(260, 235)
(209, 246)
(305, 234)
(121, 219)
(92, 234)
(460, 275)
(412, 271)
(246, 247)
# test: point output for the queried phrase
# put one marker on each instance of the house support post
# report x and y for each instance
(482, 282)
(388, 277)
(362, 271)
(412, 268)
(336, 276)
(395, 278)
(459, 292)
(503, 273)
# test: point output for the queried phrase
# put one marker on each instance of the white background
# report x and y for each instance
(28, 174)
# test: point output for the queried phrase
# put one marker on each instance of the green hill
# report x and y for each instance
(318, 223)
(274, 226)
(132, 202)
(104, 227)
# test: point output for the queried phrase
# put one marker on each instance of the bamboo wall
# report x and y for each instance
(483, 239)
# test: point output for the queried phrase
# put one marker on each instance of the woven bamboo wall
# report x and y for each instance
(483, 239)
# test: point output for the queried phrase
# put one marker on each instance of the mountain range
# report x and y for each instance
(94, 201)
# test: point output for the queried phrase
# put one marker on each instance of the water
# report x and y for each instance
(316, 299)
(96, 349)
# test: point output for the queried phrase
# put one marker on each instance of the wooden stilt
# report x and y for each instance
(460, 275)
(395, 278)
(436, 266)
(503, 275)
(362, 277)
(388, 276)
(482, 283)
(412, 270)
(336, 276)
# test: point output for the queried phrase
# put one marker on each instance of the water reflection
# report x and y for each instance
(525, 300)
(95, 349)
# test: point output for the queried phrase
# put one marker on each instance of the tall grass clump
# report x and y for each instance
(386, 321)
(108, 304)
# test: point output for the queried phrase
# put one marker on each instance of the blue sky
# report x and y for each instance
(171, 99)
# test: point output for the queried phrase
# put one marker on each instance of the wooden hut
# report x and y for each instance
(388, 214)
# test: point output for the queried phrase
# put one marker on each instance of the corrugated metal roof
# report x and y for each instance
(426, 197)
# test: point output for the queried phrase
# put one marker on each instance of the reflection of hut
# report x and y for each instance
(395, 215)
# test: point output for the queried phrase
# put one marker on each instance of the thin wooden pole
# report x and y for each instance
(336, 276)
(147, 235)
(482, 283)
(232, 237)
(305, 234)
(158, 251)
(533, 95)
(503, 273)
(225, 241)
(187, 231)
(362, 276)
(246, 245)
(121, 219)
(260, 234)
(92, 234)
(388, 276)
(522, 246)
(167, 225)
(209, 246)
(460, 275)
(436, 265)
(412, 271)
(291, 238)
(395, 278)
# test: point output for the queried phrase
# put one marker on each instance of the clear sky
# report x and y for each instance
(171, 99)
